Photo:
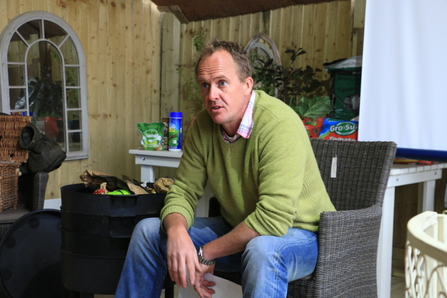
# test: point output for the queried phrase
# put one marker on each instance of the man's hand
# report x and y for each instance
(180, 251)
(203, 286)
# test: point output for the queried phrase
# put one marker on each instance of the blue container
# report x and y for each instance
(175, 131)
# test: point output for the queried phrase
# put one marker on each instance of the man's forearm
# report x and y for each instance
(233, 242)
(174, 221)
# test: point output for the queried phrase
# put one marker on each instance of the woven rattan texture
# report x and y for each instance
(10, 129)
(9, 175)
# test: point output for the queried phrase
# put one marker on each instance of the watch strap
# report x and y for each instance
(202, 259)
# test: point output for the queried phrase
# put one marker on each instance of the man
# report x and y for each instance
(256, 155)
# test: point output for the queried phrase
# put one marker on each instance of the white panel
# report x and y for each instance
(404, 73)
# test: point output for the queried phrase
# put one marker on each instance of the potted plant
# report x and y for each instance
(297, 87)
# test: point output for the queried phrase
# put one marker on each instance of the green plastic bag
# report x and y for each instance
(152, 135)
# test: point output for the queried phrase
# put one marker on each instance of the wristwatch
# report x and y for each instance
(202, 258)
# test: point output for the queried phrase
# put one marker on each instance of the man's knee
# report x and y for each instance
(147, 228)
(260, 248)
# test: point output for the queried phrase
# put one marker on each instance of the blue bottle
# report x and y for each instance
(175, 131)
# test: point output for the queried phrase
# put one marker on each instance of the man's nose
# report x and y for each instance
(214, 93)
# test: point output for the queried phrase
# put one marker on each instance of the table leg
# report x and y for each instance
(147, 172)
(385, 248)
(428, 196)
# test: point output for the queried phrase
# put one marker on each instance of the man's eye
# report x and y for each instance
(205, 85)
(222, 83)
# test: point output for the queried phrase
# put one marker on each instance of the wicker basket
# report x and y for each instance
(10, 129)
(9, 180)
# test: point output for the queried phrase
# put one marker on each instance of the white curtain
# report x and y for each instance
(404, 74)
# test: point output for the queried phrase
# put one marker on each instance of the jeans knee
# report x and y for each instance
(146, 233)
(260, 248)
(147, 227)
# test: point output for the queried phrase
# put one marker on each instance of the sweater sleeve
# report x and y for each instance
(190, 180)
(283, 153)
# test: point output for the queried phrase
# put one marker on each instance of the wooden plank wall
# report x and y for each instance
(121, 44)
(325, 31)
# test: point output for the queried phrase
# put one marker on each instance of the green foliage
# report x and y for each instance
(199, 39)
(45, 95)
(313, 107)
(297, 87)
(191, 90)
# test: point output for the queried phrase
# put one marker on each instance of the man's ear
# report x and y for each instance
(249, 85)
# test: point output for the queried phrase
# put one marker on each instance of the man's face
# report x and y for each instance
(224, 96)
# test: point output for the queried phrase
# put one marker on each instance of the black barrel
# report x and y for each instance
(96, 231)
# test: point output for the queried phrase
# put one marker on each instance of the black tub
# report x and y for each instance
(92, 245)
(79, 199)
(91, 274)
(101, 225)
(96, 230)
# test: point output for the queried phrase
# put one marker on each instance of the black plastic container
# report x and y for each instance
(96, 231)
(91, 274)
(99, 224)
(92, 245)
(79, 199)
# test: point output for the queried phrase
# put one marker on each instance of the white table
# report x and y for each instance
(150, 159)
(400, 175)
(171, 159)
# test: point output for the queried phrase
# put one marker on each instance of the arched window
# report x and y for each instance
(43, 75)
(262, 48)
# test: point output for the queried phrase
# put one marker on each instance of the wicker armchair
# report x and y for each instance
(31, 192)
(348, 238)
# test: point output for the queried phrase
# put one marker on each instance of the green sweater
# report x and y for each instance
(270, 181)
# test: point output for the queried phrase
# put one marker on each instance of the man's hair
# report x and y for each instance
(238, 53)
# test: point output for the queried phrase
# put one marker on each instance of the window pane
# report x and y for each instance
(44, 64)
(75, 141)
(69, 52)
(16, 49)
(53, 127)
(17, 98)
(72, 76)
(31, 31)
(53, 32)
(74, 120)
(16, 73)
(45, 100)
(73, 99)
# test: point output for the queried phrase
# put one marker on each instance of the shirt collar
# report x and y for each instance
(246, 126)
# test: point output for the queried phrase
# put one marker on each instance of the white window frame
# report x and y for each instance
(5, 38)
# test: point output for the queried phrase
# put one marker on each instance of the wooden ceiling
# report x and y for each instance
(198, 10)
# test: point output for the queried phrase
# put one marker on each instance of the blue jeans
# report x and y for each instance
(268, 262)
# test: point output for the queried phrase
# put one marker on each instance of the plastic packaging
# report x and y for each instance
(334, 129)
(175, 131)
(152, 135)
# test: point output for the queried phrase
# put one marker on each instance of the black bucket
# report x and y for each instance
(93, 245)
(79, 199)
(100, 225)
(91, 274)
(96, 231)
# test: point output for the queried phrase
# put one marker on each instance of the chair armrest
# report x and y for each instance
(348, 241)
(40, 187)
(32, 189)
